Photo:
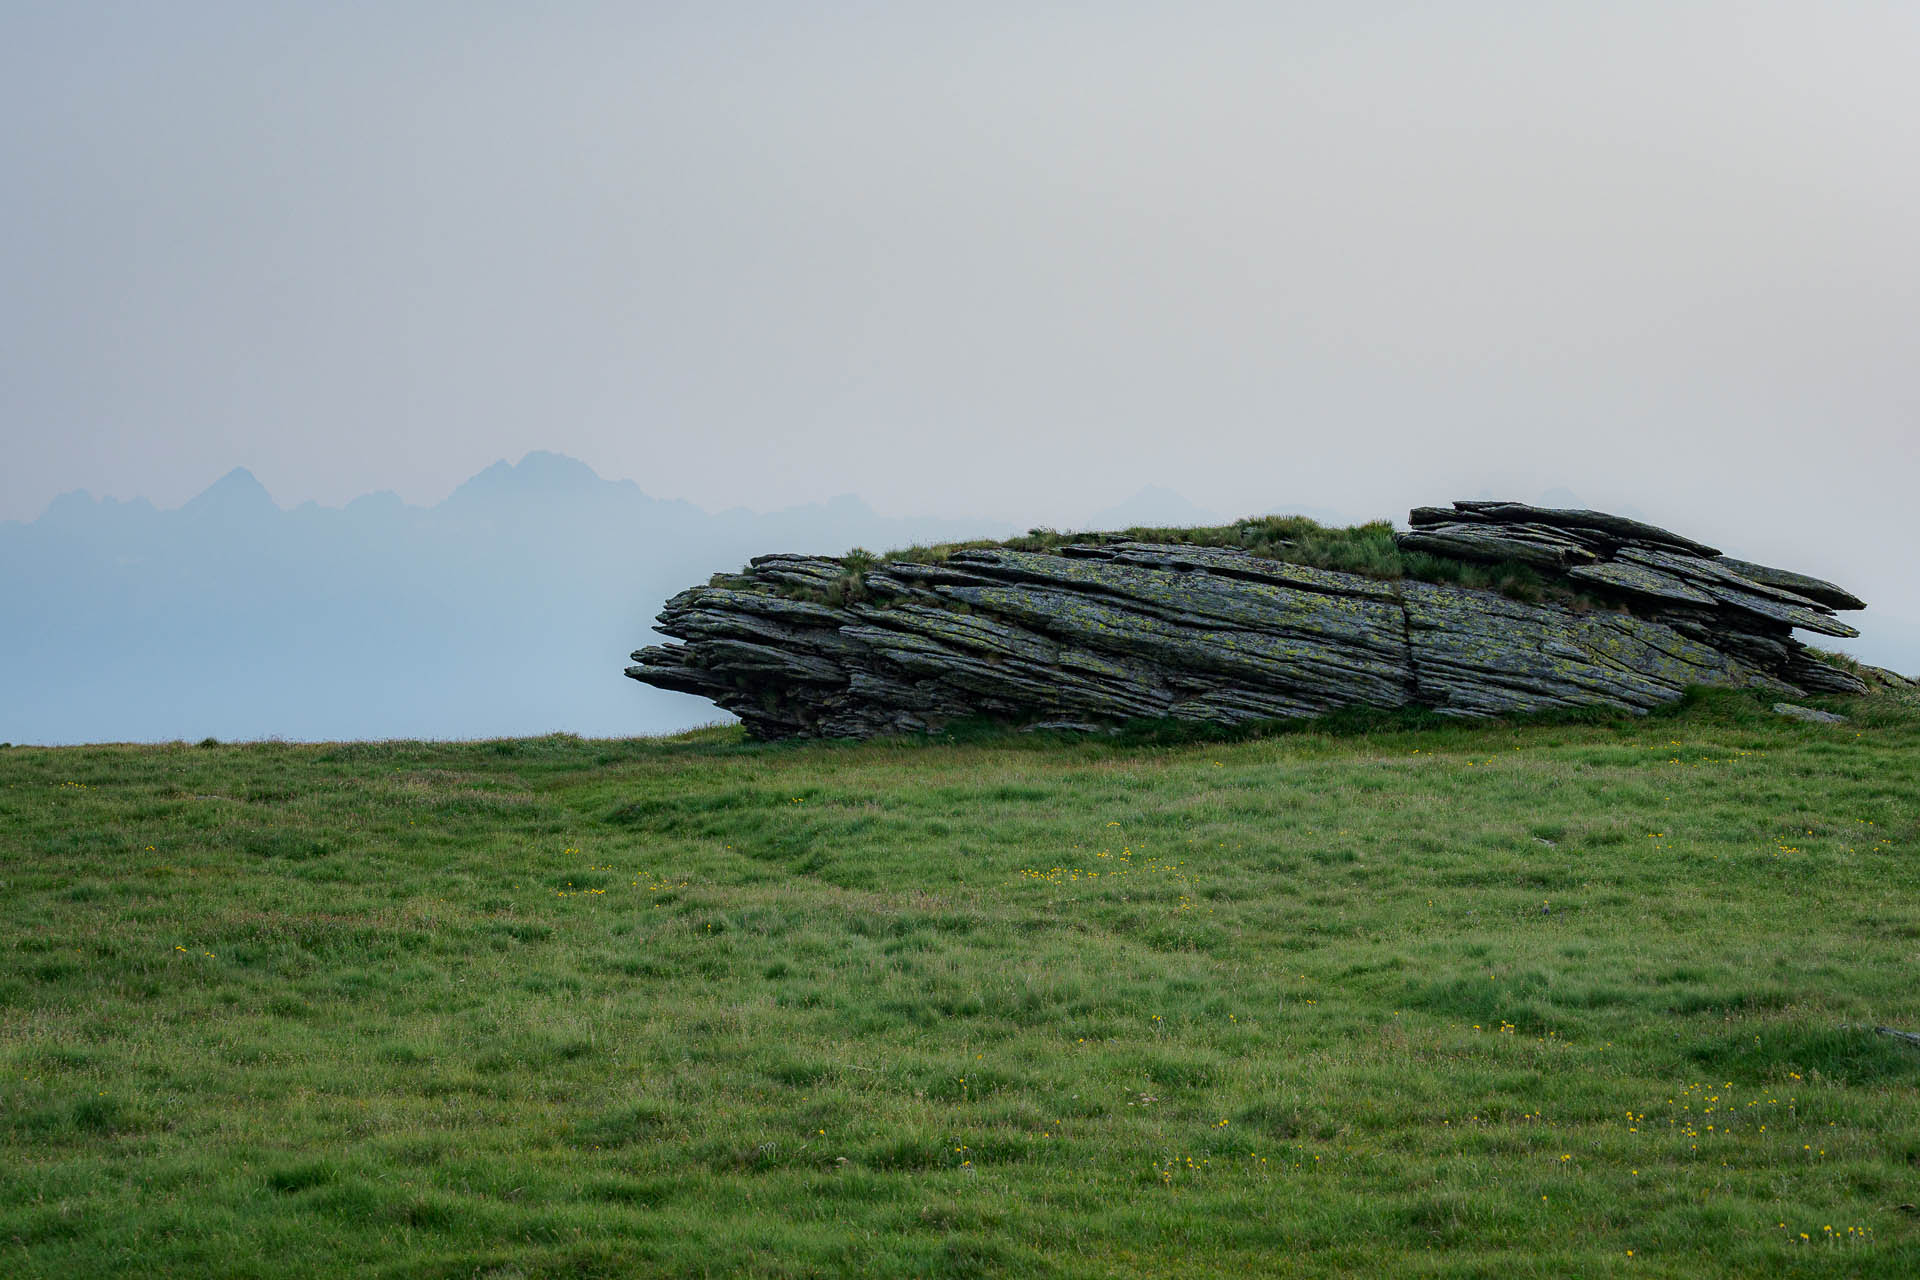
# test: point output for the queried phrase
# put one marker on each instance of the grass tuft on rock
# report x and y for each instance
(1367, 550)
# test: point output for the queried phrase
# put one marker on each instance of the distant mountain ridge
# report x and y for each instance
(506, 608)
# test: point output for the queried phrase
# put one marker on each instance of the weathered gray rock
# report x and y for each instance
(1107, 631)
(1540, 546)
(1809, 714)
(1799, 583)
(1640, 580)
(1598, 524)
(1891, 681)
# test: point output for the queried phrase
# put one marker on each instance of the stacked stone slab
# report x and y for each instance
(1112, 630)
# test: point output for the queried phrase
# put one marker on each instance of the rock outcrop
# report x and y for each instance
(1107, 629)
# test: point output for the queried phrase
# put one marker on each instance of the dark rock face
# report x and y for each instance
(1110, 631)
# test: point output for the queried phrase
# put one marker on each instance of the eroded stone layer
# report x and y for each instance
(1102, 633)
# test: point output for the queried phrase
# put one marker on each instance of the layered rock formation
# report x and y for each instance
(1108, 630)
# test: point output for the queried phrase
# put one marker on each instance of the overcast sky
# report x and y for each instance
(1009, 260)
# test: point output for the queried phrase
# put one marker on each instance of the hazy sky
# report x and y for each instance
(1002, 260)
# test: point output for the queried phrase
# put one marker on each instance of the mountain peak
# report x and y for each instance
(541, 473)
(234, 493)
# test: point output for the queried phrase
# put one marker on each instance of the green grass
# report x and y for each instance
(1454, 1000)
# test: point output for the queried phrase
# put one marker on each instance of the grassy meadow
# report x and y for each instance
(1447, 1000)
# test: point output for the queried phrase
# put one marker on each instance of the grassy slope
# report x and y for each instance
(698, 1007)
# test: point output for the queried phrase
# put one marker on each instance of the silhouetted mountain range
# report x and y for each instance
(508, 608)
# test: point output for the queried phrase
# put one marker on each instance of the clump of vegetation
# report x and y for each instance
(1367, 550)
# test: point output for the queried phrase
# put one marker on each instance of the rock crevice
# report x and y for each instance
(1107, 630)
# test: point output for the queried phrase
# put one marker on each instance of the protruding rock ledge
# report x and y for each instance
(1110, 630)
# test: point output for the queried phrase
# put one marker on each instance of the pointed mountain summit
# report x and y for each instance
(540, 474)
(235, 494)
